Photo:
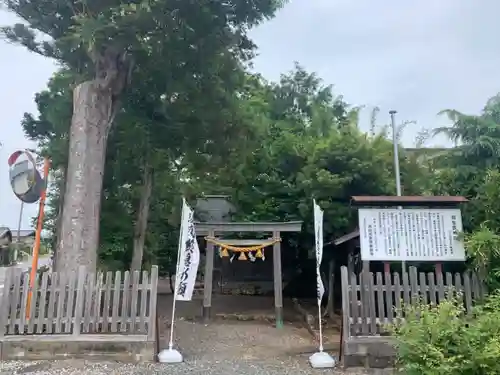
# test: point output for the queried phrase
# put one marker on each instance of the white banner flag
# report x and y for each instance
(189, 257)
(318, 233)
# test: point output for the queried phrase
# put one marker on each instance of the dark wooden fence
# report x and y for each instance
(371, 300)
(80, 303)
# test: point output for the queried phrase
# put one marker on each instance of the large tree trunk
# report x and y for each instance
(142, 220)
(92, 116)
(60, 204)
(94, 107)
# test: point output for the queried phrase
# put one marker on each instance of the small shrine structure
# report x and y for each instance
(214, 224)
(213, 232)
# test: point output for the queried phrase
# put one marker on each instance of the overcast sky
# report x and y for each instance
(417, 57)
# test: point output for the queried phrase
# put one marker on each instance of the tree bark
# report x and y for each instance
(330, 307)
(142, 220)
(61, 187)
(93, 109)
(95, 105)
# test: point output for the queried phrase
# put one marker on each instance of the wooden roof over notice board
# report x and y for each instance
(415, 200)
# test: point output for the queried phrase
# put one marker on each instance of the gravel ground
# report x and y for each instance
(234, 367)
(229, 340)
(220, 348)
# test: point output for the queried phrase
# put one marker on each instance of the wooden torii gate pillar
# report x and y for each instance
(211, 229)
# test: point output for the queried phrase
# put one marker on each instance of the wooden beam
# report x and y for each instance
(203, 229)
(209, 273)
(240, 242)
(68, 337)
(278, 281)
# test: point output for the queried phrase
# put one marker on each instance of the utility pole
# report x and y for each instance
(397, 174)
(395, 142)
(18, 241)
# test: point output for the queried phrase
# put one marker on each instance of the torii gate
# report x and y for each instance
(211, 229)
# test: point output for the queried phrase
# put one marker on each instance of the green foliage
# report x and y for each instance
(80, 33)
(472, 169)
(292, 141)
(443, 339)
(477, 138)
(308, 146)
(483, 248)
(168, 70)
(271, 146)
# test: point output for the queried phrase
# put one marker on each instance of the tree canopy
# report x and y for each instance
(291, 140)
(158, 66)
(154, 100)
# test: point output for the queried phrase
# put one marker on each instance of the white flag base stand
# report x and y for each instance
(170, 356)
(321, 360)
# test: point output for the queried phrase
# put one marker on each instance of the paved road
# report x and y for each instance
(23, 266)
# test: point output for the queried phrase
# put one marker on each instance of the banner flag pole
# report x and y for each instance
(188, 259)
(319, 359)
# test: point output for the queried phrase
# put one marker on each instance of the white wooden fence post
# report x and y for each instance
(80, 295)
(152, 303)
(5, 301)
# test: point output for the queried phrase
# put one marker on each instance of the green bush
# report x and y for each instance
(435, 340)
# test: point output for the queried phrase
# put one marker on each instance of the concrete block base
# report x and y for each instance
(369, 352)
(120, 348)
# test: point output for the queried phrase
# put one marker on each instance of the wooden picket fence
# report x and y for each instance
(371, 301)
(80, 303)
